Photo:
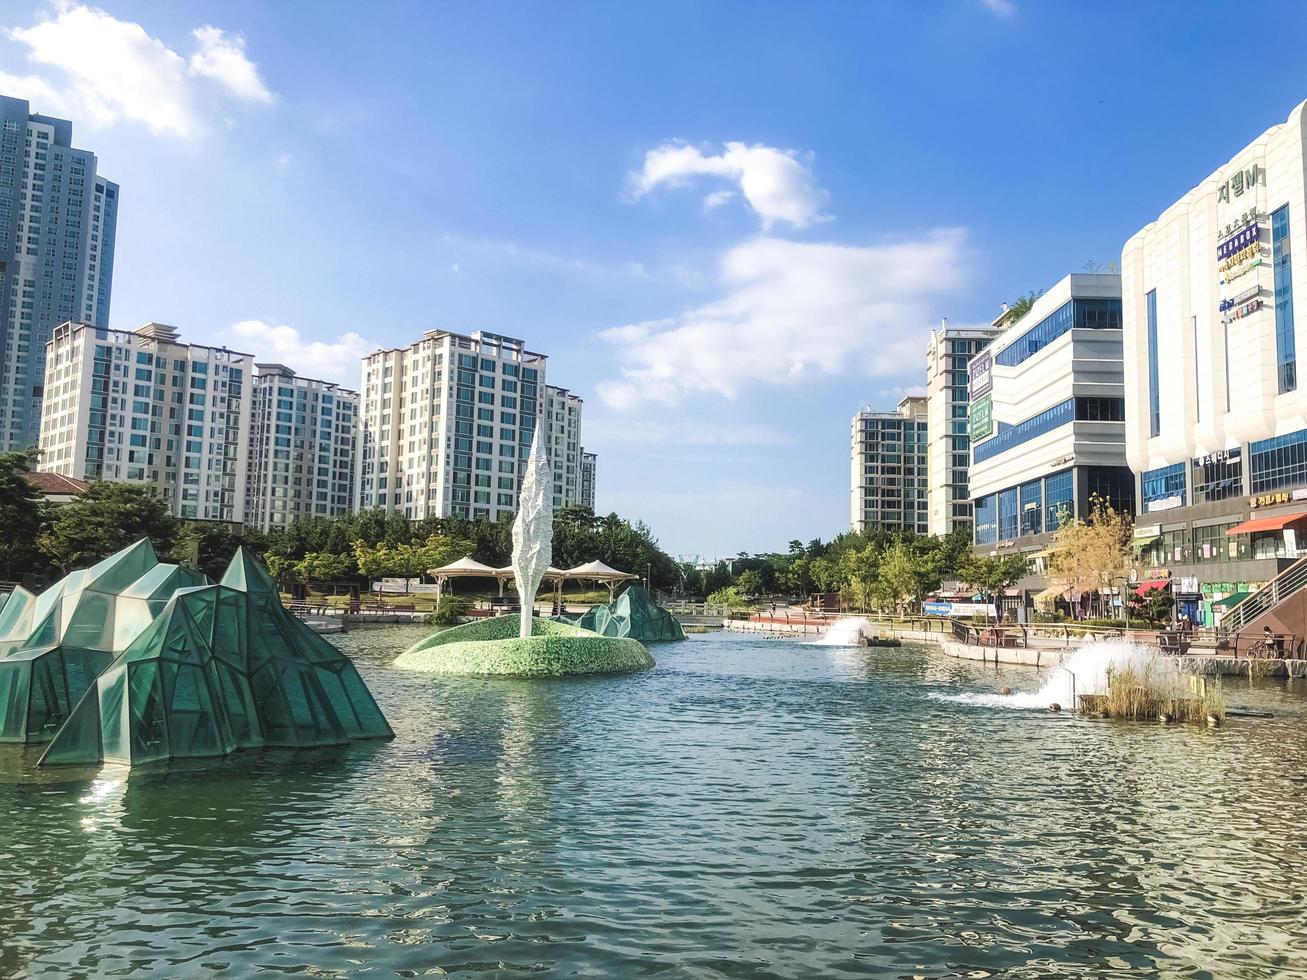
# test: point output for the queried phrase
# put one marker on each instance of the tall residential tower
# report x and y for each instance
(142, 407)
(57, 223)
(888, 464)
(303, 435)
(949, 452)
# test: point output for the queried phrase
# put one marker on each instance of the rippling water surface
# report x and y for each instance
(746, 809)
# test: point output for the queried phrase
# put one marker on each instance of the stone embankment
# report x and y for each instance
(1050, 654)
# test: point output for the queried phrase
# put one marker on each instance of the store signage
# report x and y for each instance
(1239, 312)
(1270, 499)
(1166, 503)
(1240, 257)
(1247, 218)
(1242, 180)
(1232, 276)
(1300, 493)
(958, 609)
(1246, 236)
(1233, 301)
(981, 417)
(1223, 456)
(1150, 531)
(1187, 584)
(981, 371)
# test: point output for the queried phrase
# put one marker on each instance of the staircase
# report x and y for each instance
(1271, 598)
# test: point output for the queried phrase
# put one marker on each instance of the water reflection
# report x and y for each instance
(749, 808)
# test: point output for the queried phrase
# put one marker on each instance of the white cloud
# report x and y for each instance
(222, 58)
(777, 184)
(338, 361)
(792, 312)
(105, 69)
(1006, 9)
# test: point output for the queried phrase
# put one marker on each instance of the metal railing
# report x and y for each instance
(1288, 583)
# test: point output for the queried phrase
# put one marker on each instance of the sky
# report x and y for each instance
(729, 225)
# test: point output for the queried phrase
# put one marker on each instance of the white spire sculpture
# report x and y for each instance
(533, 528)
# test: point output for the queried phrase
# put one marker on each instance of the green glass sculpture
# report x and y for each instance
(53, 646)
(635, 614)
(222, 667)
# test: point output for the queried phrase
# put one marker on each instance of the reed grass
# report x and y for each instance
(1154, 690)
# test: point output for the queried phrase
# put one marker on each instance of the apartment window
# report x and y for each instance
(1154, 400)
(1031, 502)
(1100, 409)
(1059, 499)
(1092, 314)
(1037, 425)
(986, 519)
(1165, 483)
(1285, 349)
(1218, 476)
(1279, 462)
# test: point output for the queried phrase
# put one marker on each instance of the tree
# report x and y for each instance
(1021, 305)
(909, 571)
(210, 545)
(749, 582)
(1088, 554)
(730, 597)
(323, 566)
(105, 519)
(994, 574)
(21, 517)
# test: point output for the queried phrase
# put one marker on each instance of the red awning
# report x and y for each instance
(1276, 522)
(1143, 588)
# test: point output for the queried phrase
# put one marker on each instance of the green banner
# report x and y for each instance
(982, 422)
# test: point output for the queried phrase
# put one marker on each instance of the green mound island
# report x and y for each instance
(492, 647)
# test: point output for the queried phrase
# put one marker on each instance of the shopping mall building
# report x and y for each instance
(1216, 419)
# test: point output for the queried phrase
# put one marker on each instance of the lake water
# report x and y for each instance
(749, 808)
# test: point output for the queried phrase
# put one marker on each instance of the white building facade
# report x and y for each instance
(1216, 409)
(142, 407)
(1047, 417)
(564, 415)
(888, 468)
(303, 435)
(446, 424)
(589, 464)
(948, 442)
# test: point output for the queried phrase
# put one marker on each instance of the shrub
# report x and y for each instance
(449, 610)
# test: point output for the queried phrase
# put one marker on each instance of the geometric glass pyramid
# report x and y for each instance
(222, 667)
(633, 614)
(53, 645)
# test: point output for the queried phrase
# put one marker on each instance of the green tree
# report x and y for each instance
(22, 517)
(994, 574)
(1021, 306)
(105, 519)
(210, 545)
(730, 597)
(910, 570)
(749, 582)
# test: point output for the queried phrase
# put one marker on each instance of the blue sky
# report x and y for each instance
(730, 225)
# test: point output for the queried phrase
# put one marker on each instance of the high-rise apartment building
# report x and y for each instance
(143, 407)
(889, 468)
(564, 417)
(1047, 417)
(302, 443)
(446, 424)
(57, 223)
(948, 442)
(1216, 413)
(589, 463)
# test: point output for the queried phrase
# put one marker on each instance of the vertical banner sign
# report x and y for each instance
(981, 417)
(981, 374)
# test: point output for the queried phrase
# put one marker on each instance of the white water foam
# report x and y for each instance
(845, 632)
(1085, 672)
